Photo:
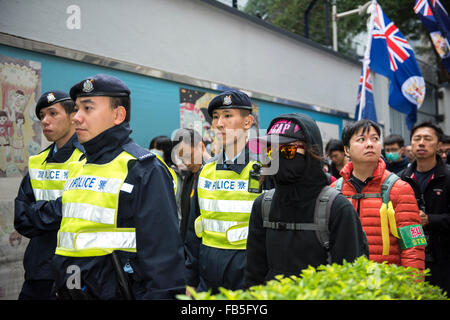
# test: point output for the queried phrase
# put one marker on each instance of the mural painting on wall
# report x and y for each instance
(194, 115)
(20, 131)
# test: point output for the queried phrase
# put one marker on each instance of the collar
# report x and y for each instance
(439, 168)
(107, 145)
(232, 160)
(64, 153)
(237, 164)
(377, 174)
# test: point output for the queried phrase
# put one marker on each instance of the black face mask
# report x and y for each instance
(290, 171)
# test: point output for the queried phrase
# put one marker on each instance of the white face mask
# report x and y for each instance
(158, 152)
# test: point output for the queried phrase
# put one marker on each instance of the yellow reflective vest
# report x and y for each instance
(47, 178)
(89, 208)
(171, 171)
(225, 207)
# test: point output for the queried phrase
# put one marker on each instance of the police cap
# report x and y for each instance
(49, 98)
(100, 85)
(231, 99)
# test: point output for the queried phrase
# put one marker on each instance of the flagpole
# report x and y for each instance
(366, 59)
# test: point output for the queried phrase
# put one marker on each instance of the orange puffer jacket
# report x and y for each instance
(406, 213)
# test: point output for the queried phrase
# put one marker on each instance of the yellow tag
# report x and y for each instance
(384, 229)
(387, 219)
(391, 218)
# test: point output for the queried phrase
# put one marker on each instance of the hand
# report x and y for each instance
(423, 218)
(15, 239)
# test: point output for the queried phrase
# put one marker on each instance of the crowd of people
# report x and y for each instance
(109, 219)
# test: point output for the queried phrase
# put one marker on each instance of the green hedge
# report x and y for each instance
(361, 280)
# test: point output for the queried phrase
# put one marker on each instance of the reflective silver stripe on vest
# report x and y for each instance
(48, 174)
(47, 195)
(94, 183)
(237, 234)
(104, 240)
(239, 206)
(223, 226)
(88, 212)
(217, 225)
(222, 184)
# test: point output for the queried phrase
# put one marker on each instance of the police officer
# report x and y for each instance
(216, 241)
(119, 234)
(38, 204)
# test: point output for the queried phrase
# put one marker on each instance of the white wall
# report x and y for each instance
(444, 108)
(193, 38)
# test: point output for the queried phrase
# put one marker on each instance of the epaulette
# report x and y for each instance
(79, 146)
(137, 151)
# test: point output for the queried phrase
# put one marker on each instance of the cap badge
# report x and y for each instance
(88, 85)
(227, 100)
(51, 97)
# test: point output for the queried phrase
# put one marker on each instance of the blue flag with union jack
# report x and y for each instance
(435, 19)
(392, 56)
(367, 105)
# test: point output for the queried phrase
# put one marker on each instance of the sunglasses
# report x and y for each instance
(288, 151)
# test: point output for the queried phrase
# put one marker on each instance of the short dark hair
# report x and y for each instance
(165, 144)
(394, 138)
(445, 138)
(244, 112)
(351, 129)
(122, 101)
(187, 135)
(428, 124)
(334, 145)
(68, 105)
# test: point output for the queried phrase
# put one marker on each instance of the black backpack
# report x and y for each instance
(321, 216)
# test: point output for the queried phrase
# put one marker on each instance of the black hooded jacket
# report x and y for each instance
(271, 252)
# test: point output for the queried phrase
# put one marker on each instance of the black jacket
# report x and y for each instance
(40, 220)
(150, 208)
(396, 167)
(187, 189)
(435, 202)
(271, 252)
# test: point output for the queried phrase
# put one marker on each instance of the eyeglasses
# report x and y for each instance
(288, 151)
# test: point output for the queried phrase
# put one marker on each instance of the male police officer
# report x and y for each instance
(38, 203)
(222, 203)
(119, 234)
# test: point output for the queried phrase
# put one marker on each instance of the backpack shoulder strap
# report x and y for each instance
(322, 214)
(339, 183)
(265, 206)
(387, 186)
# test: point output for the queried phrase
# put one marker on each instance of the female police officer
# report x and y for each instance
(119, 232)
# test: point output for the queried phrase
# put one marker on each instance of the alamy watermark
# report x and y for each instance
(73, 21)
